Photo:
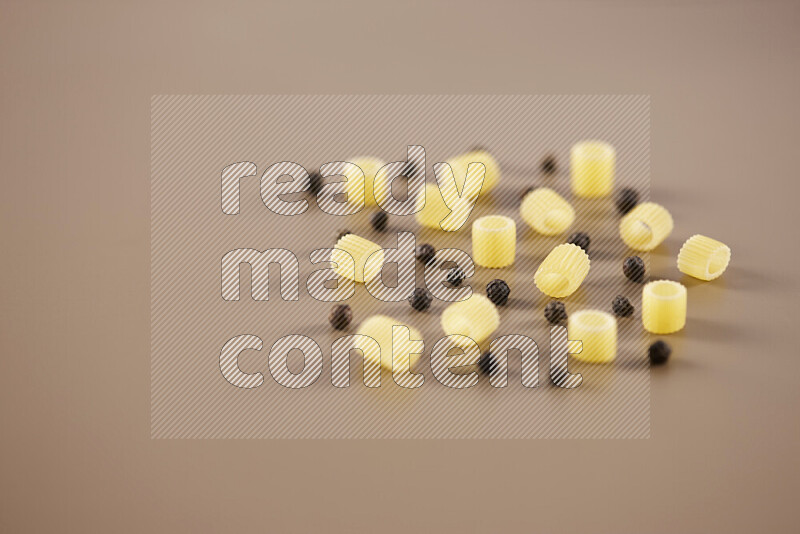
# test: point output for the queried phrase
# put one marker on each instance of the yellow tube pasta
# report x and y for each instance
(460, 163)
(592, 168)
(703, 257)
(361, 250)
(562, 271)
(475, 318)
(435, 210)
(597, 332)
(494, 241)
(546, 211)
(663, 306)
(379, 328)
(646, 226)
(358, 190)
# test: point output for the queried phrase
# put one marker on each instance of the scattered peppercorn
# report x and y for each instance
(626, 200)
(555, 312)
(525, 192)
(659, 352)
(633, 268)
(420, 299)
(487, 363)
(341, 233)
(315, 182)
(497, 291)
(340, 316)
(581, 239)
(548, 165)
(425, 253)
(379, 221)
(622, 306)
(455, 277)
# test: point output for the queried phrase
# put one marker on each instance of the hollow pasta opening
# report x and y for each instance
(494, 223)
(718, 261)
(665, 289)
(593, 321)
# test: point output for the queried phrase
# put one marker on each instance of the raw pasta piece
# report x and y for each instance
(562, 271)
(379, 328)
(435, 210)
(475, 318)
(663, 306)
(592, 168)
(597, 332)
(460, 163)
(546, 211)
(358, 190)
(703, 257)
(646, 226)
(368, 258)
(494, 241)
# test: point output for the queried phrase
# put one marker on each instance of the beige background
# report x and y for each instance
(74, 388)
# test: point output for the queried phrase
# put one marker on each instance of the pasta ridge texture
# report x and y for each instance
(562, 271)
(703, 257)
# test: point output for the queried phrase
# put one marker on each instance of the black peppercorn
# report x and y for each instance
(581, 239)
(626, 199)
(314, 182)
(497, 291)
(341, 233)
(455, 277)
(659, 352)
(634, 270)
(425, 253)
(487, 363)
(420, 299)
(555, 312)
(622, 306)
(379, 221)
(548, 165)
(340, 316)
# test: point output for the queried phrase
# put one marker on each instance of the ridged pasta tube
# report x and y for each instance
(475, 318)
(379, 328)
(703, 257)
(368, 258)
(597, 332)
(562, 271)
(358, 190)
(646, 226)
(546, 211)
(663, 306)
(494, 241)
(460, 163)
(592, 168)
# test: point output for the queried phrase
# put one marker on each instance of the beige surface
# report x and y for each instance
(76, 86)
